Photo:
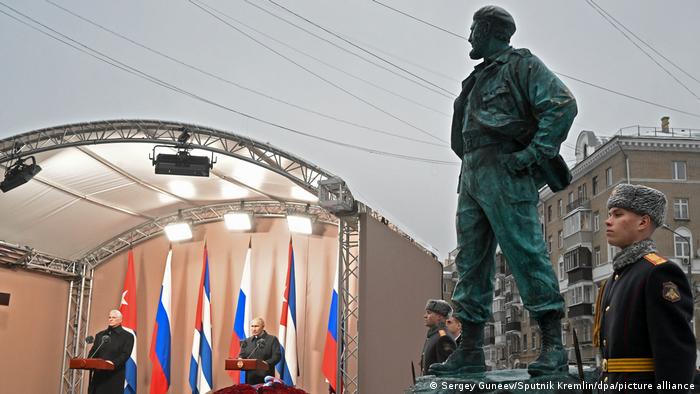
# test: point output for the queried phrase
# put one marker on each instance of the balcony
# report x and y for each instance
(584, 203)
(513, 326)
(580, 274)
(580, 310)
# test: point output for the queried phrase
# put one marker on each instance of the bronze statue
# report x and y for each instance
(509, 122)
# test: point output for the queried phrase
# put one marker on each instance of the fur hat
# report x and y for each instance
(640, 199)
(439, 306)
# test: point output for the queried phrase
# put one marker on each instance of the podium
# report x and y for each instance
(245, 364)
(90, 363)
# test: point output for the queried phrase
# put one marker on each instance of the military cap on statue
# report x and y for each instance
(496, 14)
(640, 199)
(439, 306)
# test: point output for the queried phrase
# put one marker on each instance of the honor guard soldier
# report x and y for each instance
(643, 311)
(438, 345)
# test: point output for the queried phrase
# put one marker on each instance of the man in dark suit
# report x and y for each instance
(643, 312)
(260, 346)
(438, 344)
(114, 346)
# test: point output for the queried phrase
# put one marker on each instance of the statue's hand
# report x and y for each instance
(519, 162)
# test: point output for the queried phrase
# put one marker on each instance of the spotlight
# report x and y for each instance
(237, 221)
(181, 163)
(19, 173)
(178, 231)
(299, 224)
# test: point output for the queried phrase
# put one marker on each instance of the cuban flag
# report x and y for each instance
(330, 351)
(288, 366)
(128, 310)
(160, 343)
(201, 380)
(243, 315)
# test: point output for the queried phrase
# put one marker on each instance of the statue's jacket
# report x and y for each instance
(516, 98)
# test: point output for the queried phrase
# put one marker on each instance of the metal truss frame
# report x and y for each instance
(77, 319)
(343, 210)
(302, 173)
(201, 215)
(348, 305)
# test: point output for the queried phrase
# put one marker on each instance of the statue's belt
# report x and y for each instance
(628, 365)
(475, 142)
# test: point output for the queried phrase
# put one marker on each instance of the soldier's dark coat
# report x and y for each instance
(268, 351)
(437, 347)
(646, 309)
(118, 351)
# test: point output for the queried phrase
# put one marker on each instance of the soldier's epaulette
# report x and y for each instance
(442, 333)
(654, 258)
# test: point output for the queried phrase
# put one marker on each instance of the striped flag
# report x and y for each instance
(243, 315)
(201, 362)
(330, 352)
(288, 366)
(128, 311)
(160, 344)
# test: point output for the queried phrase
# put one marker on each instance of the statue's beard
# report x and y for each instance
(475, 54)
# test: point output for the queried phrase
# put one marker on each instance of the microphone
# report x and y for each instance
(258, 343)
(105, 339)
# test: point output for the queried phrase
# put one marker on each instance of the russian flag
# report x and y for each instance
(243, 315)
(201, 380)
(160, 344)
(330, 352)
(288, 366)
(128, 310)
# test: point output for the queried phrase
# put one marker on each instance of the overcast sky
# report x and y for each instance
(351, 95)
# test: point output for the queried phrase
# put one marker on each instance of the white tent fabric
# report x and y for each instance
(87, 195)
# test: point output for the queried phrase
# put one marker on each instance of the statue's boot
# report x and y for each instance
(468, 357)
(553, 358)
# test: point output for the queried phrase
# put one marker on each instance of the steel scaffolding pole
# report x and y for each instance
(348, 364)
(78, 315)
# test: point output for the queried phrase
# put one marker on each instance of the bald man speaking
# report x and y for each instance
(114, 346)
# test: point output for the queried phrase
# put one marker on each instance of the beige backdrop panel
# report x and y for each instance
(396, 279)
(315, 262)
(32, 332)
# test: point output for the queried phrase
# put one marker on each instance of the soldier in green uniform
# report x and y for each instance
(643, 311)
(509, 122)
(438, 344)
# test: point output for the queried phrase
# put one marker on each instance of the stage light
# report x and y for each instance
(299, 224)
(19, 173)
(178, 231)
(182, 162)
(237, 221)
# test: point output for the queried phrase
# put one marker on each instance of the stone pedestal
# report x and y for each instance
(506, 382)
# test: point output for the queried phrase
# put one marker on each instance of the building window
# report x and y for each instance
(549, 213)
(582, 193)
(681, 246)
(534, 341)
(549, 244)
(594, 185)
(580, 295)
(525, 341)
(561, 269)
(561, 239)
(608, 177)
(580, 221)
(560, 208)
(680, 209)
(612, 251)
(596, 221)
(679, 173)
(570, 199)
(596, 256)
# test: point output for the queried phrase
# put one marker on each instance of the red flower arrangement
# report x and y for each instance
(275, 388)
